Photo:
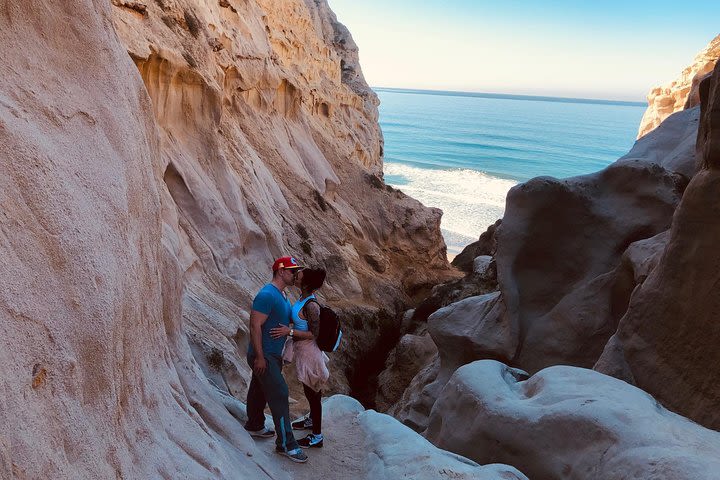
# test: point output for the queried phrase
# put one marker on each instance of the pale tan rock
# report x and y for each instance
(682, 93)
(568, 423)
(94, 383)
(271, 145)
(142, 206)
(464, 331)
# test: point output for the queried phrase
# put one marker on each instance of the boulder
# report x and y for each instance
(568, 423)
(413, 408)
(558, 246)
(486, 245)
(464, 331)
(412, 353)
(390, 450)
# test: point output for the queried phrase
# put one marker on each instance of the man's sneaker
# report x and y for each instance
(302, 424)
(262, 433)
(311, 441)
(296, 455)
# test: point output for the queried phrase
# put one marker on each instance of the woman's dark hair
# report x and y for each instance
(313, 278)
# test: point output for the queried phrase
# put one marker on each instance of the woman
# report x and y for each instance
(310, 361)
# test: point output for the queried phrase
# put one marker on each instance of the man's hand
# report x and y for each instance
(259, 365)
(280, 331)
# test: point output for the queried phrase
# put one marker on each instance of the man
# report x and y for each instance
(270, 309)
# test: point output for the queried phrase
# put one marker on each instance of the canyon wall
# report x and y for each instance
(156, 156)
(270, 145)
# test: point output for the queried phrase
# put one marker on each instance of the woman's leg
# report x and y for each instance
(314, 398)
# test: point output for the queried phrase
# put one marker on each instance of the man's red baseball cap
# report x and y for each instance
(285, 262)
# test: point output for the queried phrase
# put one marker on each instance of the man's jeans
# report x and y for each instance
(270, 388)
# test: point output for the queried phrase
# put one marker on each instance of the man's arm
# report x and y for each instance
(257, 319)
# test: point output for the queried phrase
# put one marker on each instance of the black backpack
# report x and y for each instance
(329, 334)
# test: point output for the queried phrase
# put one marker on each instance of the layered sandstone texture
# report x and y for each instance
(569, 423)
(667, 341)
(683, 92)
(146, 186)
(269, 144)
(96, 381)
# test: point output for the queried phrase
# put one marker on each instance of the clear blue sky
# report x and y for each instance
(607, 49)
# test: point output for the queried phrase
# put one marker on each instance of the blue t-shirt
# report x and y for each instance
(272, 303)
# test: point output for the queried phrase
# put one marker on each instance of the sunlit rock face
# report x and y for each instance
(683, 92)
(156, 156)
(95, 379)
(568, 423)
(667, 342)
(269, 144)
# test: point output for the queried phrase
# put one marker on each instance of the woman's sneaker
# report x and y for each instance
(296, 455)
(302, 424)
(311, 441)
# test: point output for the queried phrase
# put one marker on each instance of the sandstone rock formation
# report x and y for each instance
(381, 447)
(568, 423)
(270, 144)
(486, 245)
(463, 331)
(683, 92)
(567, 261)
(408, 357)
(557, 246)
(97, 379)
(667, 341)
(142, 205)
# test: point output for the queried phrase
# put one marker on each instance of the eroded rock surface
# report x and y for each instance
(568, 423)
(270, 145)
(557, 246)
(568, 256)
(667, 341)
(145, 188)
(384, 448)
(410, 355)
(96, 375)
(683, 92)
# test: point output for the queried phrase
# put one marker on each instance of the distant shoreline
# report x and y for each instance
(509, 96)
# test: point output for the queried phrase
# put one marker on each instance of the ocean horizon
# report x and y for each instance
(462, 151)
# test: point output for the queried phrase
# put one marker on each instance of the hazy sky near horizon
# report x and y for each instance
(612, 49)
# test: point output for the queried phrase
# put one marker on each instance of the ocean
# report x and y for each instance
(462, 152)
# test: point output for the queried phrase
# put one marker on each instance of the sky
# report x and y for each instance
(608, 49)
